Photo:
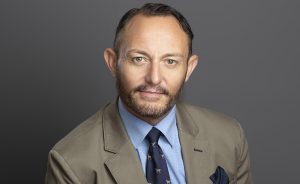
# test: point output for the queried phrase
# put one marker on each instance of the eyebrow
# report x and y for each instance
(174, 55)
(138, 52)
(148, 55)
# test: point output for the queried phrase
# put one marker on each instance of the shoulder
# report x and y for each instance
(206, 115)
(83, 144)
(212, 123)
(82, 150)
(223, 134)
(222, 139)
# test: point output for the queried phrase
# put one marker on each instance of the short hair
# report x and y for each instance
(153, 9)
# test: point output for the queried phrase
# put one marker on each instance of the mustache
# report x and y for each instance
(158, 89)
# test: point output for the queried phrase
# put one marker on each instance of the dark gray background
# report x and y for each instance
(53, 76)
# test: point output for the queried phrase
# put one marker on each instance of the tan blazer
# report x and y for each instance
(99, 150)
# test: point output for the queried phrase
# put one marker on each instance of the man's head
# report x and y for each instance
(148, 10)
(151, 59)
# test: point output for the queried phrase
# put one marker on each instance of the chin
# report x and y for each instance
(153, 103)
(151, 109)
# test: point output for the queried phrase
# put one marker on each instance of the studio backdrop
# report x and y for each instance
(53, 76)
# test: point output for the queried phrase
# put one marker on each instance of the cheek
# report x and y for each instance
(174, 85)
(175, 79)
(129, 78)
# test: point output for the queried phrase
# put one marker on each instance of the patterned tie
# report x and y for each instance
(156, 166)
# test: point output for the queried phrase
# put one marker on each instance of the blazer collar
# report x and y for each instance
(194, 145)
(124, 164)
(192, 137)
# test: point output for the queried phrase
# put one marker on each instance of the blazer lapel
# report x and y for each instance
(124, 165)
(194, 147)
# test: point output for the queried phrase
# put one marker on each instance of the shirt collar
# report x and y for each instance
(137, 129)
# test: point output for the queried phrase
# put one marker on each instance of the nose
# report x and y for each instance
(153, 75)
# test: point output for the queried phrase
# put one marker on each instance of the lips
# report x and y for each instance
(151, 91)
(157, 90)
(150, 95)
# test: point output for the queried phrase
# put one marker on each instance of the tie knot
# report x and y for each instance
(153, 135)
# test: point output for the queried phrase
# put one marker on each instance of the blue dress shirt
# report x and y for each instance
(137, 130)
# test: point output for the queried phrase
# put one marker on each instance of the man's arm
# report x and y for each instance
(244, 174)
(58, 171)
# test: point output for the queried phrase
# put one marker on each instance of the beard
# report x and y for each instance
(148, 110)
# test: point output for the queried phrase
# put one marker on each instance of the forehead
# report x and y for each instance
(155, 31)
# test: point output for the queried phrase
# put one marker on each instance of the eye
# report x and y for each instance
(171, 62)
(138, 59)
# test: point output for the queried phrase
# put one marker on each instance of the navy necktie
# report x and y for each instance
(156, 166)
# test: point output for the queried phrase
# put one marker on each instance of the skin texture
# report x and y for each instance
(152, 65)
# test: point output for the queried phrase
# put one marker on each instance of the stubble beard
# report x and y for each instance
(147, 110)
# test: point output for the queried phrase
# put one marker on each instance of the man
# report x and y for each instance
(146, 135)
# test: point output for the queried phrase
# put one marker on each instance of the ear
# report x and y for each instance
(192, 63)
(110, 57)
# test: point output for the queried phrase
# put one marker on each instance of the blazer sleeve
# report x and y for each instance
(58, 171)
(243, 167)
